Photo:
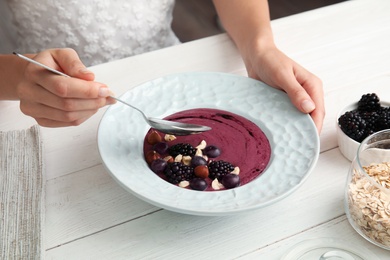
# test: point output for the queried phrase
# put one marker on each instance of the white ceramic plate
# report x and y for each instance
(292, 135)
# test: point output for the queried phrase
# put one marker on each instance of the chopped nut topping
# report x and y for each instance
(169, 159)
(236, 170)
(216, 185)
(169, 138)
(202, 145)
(184, 184)
(186, 160)
(178, 158)
(198, 152)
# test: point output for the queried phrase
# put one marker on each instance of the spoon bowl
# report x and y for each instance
(164, 126)
(169, 127)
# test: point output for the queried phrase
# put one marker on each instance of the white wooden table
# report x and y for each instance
(89, 216)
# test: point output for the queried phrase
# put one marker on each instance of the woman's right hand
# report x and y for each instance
(57, 101)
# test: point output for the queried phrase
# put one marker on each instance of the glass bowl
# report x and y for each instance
(367, 192)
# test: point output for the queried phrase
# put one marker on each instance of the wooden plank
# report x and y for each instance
(167, 234)
(85, 202)
(339, 228)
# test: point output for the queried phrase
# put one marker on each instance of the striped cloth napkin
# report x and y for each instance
(21, 194)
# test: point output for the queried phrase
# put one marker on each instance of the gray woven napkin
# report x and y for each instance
(21, 194)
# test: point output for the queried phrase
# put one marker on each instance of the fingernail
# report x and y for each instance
(308, 106)
(85, 71)
(104, 92)
(110, 101)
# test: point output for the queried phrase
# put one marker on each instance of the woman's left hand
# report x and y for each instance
(248, 23)
(274, 68)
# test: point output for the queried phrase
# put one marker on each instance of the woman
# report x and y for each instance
(101, 30)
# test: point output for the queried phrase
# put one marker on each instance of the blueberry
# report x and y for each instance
(212, 151)
(160, 147)
(230, 181)
(198, 160)
(158, 165)
(198, 184)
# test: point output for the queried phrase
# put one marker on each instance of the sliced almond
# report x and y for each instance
(236, 170)
(198, 152)
(184, 184)
(178, 158)
(216, 185)
(202, 145)
(186, 160)
(169, 138)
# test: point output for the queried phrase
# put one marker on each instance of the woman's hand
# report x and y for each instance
(54, 100)
(274, 68)
(248, 23)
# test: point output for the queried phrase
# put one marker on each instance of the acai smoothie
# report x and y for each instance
(233, 153)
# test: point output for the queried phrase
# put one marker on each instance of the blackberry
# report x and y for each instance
(177, 172)
(371, 119)
(383, 121)
(181, 148)
(369, 103)
(218, 169)
(353, 125)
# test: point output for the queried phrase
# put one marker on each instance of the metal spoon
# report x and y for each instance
(165, 126)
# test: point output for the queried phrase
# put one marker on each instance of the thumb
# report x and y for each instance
(70, 64)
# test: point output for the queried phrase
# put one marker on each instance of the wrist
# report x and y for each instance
(10, 74)
(256, 44)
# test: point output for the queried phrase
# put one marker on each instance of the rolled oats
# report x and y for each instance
(369, 205)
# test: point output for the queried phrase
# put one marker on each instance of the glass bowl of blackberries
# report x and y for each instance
(359, 120)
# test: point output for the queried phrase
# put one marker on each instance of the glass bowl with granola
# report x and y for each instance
(367, 193)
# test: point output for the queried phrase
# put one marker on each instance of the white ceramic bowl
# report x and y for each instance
(348, 147)
(292, 135)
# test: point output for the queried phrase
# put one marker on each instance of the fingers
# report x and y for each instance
(80, 84)
(54, 111)
(70, 63)
(54, 117)
(306, 93)
(55, 100)
(303, 88)
(313, 87)
(49, 116)
(73, 87)
(37, 94)
(65, 93)
(65, 60)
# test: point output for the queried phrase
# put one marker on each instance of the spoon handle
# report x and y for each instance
(40, 64)
(123, 102)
